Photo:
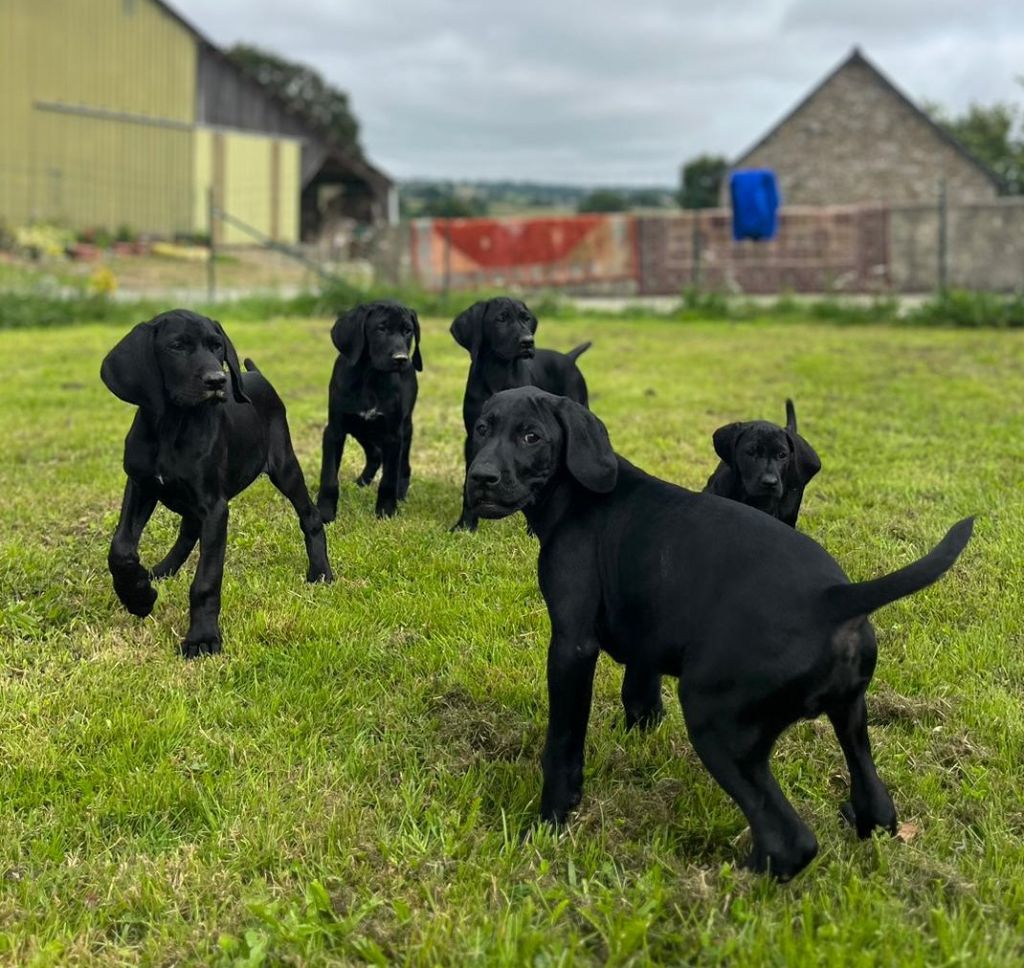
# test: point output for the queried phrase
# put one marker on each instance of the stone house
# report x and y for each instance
(856, 138)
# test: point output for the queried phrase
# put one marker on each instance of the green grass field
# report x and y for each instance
(349, 780)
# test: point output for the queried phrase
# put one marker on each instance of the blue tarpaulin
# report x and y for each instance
(755, 204)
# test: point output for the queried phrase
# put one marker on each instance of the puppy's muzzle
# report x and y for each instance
(770, 484)
(526, 348)
(216, 383)
(400, 361)
(483, 492)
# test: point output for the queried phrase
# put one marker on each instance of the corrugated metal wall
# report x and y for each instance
(248, 183)
(98, 128)
(97, 102)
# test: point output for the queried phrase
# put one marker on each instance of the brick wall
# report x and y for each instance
(817, 249)
(839, 248)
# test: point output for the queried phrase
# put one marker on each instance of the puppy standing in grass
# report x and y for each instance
(372, 394)
(499, 335)
(195, 443)
(759, 623)
(764, 465)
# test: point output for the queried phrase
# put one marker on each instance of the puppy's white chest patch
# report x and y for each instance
(372, 414)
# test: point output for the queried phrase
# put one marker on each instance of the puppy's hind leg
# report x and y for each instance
(286, 475)
(735, 752)
(131, 580)
(374, 457)
(188, 535)
(641, 698)
(870, 804)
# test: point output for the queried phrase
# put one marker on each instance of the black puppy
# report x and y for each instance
(764, 465)
(194, 444)
(372, 395)
(499, 334)
(759, 623)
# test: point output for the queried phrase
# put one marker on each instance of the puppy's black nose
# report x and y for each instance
(526, 342)
(484, 475)
(770, 480)
(215, 380)
(401, 357)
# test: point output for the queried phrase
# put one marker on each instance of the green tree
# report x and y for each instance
(700, 181)
(994, 134)
(304, 90)
(602, 200)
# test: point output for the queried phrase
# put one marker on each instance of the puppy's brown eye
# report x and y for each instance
(783, 455)
(531, 438)
(481, 429)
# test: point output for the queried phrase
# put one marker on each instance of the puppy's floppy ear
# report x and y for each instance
(790, 417)
(349, 333)
(725, 439)
(588, 451)
(417, 359)
(130, 370)
(234, 370)
(804, 463)
(467, 327)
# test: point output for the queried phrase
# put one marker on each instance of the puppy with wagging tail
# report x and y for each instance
(200, 436)
(764, 465)
(758, 622)
(499, 336)
(372, 394)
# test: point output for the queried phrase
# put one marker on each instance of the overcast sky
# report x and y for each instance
(609, 91)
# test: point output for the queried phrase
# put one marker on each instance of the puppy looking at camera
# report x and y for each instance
(758, 622)
(203, 432)
(371, 396)
(764, 466)
(499, 335)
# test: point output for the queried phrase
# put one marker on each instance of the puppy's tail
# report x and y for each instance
(848, 601)
(576, 353)
(250, 366)
(790, 416)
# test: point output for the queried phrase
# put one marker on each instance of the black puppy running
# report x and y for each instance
(194, 444)
(759, 622)
(372, 395)
(499, 335)
(764, 465)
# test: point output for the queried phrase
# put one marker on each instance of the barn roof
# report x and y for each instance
(354, 160)
(857, 58)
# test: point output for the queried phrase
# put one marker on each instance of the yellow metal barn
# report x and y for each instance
(119, 113)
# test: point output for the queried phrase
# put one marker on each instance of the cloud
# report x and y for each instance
(605, 91)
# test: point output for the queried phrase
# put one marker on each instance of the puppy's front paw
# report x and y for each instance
(387, 508)
(200, 643)
(462, 525)
(328, 510)
(555, 806)
(320, 573)
(365, 480)
(882, 816)
(135, 591)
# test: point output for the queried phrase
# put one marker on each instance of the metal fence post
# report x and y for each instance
(943, 239)
(695, 245)
(447, 255)
(211, 272)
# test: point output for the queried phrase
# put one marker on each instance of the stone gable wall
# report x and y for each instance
(855, 141)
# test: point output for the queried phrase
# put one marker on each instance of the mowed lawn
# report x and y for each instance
(350, 780)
